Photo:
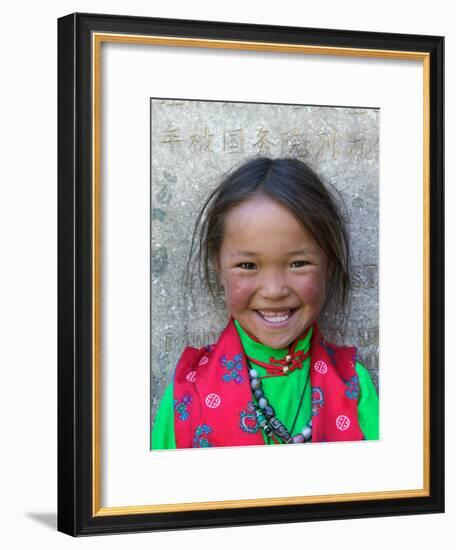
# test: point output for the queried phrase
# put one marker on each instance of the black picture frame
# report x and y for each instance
(78, 498)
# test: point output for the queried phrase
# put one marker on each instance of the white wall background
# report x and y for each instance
(28, 268)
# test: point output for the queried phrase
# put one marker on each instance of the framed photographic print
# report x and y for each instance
(250, 274)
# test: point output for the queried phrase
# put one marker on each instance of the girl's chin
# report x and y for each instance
(277, 340)
(281, 334)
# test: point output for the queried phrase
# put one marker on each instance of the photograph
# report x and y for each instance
(264, 273)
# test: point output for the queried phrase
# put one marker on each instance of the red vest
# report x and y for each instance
(214, 410)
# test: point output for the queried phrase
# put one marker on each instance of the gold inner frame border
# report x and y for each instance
(97, 40)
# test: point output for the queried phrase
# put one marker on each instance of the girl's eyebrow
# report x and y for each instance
(242, 253)
(301, 251)
(291, 253)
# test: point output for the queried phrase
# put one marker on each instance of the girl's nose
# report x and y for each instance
(274, 286)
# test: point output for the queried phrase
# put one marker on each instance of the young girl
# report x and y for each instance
(276, 240)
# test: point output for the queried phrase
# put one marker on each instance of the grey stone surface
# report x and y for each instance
(193, 144)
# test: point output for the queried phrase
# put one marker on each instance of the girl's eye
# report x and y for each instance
(299, 263)
(247, 265)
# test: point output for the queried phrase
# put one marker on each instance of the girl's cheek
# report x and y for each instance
(313, 288)
(236, 293)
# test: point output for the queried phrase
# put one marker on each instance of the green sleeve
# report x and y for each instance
(163, 429)
(367, 404)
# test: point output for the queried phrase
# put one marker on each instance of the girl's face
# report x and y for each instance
(273, 272)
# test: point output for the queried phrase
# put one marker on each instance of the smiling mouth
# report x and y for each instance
(276, 317)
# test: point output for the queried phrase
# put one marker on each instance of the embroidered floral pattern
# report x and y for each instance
(352, 387)
(318, 400)
(233, 368)
(249, 422)
(200, 438)
(181, 406)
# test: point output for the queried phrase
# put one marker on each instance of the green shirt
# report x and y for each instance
(283, 392)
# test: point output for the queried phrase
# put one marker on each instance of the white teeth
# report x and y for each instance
(275, 317)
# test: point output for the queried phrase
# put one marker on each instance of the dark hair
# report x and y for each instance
(291, 183)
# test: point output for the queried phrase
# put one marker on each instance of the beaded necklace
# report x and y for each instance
(265, 413)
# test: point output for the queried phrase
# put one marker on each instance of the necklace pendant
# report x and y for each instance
(279, 428)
